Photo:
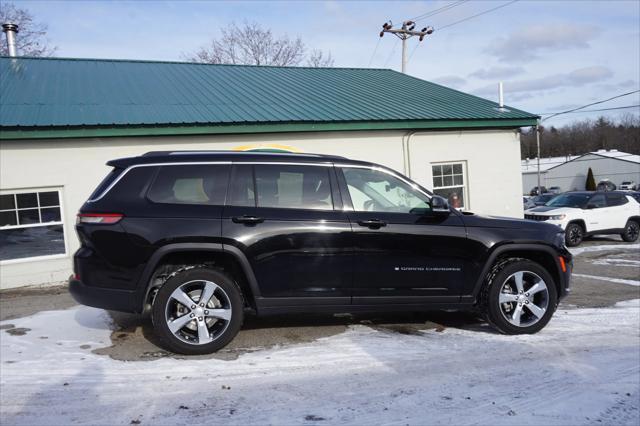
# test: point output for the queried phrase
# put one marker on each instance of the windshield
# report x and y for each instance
(570, 200)
(543, 198)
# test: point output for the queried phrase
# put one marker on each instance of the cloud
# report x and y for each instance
(525, 44)
(450, 81)
(576, 78)
(495, 73)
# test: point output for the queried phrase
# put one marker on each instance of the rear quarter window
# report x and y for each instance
(106, 182)
(190, 184)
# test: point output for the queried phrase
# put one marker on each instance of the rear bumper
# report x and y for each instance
(104, 298)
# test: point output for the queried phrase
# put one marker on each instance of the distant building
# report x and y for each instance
(570, 172)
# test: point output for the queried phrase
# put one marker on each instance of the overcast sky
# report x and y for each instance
(551, 55)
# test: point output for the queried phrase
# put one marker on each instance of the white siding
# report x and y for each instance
(492, 159)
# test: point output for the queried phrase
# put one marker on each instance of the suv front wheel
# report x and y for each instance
(197, 311)
(631, 231)
(519, 297)
(573, 235)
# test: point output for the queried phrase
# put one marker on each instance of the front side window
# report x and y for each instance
(31, 225)
(597, 201)
(293, 187)
(376, 191)
(190, 184)
(449, 182)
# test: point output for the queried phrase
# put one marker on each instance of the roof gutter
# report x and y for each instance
(15, 133)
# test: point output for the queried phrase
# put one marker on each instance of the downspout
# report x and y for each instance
(406, 154)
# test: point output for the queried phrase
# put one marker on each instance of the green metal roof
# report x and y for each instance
(91, 97)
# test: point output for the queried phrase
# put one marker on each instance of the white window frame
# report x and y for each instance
(465, 185)
(35, 225)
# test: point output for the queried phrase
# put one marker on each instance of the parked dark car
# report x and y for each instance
(538, 190)
(199, 239)
(606, 185)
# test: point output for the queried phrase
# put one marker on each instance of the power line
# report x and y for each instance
(374, 52)
(591, 104)
(476, 15)
(439, 10)
(393, 49)
(412, 52)
(467, 18)
(594, 110)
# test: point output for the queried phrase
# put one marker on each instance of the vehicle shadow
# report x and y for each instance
(134, 339)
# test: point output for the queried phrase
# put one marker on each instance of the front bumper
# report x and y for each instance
(103, 298)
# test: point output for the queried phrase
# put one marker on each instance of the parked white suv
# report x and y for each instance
(628, 186)
(581, 214)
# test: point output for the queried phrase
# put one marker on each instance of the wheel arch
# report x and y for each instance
(228, 258)
(580, 222)
(545, 256)
(636, 219)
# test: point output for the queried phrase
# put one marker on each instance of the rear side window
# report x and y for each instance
(293, 187)
(190, 184)
(616, 200)
(106, 182)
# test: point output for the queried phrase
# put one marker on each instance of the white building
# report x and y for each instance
(61, 120)
(570, 173)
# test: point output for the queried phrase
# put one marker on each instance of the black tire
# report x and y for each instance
(494, 310)
(573, 235)
(228, 296)
(631, 231)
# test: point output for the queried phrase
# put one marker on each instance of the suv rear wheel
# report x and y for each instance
(519, 297)
(197, 311)
(631, 231)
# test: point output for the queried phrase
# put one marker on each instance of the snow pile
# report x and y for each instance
(583, 368)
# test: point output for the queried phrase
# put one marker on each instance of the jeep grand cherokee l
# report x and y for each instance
(201, 238)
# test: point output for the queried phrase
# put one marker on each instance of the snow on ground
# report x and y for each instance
(613, 280)
(603, 247)
(583, 368)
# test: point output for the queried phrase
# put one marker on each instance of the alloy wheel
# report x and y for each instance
(198, 312)
(575, 235)
(632, 231)
(524, 298)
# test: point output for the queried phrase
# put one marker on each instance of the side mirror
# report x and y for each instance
(440, 206)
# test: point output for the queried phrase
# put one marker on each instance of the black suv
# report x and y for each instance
(201, 238)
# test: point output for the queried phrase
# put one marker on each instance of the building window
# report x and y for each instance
(31, 225)
(449, 181)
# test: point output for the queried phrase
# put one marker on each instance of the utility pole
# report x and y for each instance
(539, 191)
(405, 33)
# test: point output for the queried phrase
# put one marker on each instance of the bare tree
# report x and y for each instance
(250, 44)
(318, 59)
(585, 136)
(31, 39)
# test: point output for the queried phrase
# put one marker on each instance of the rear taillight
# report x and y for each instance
(99, 218)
